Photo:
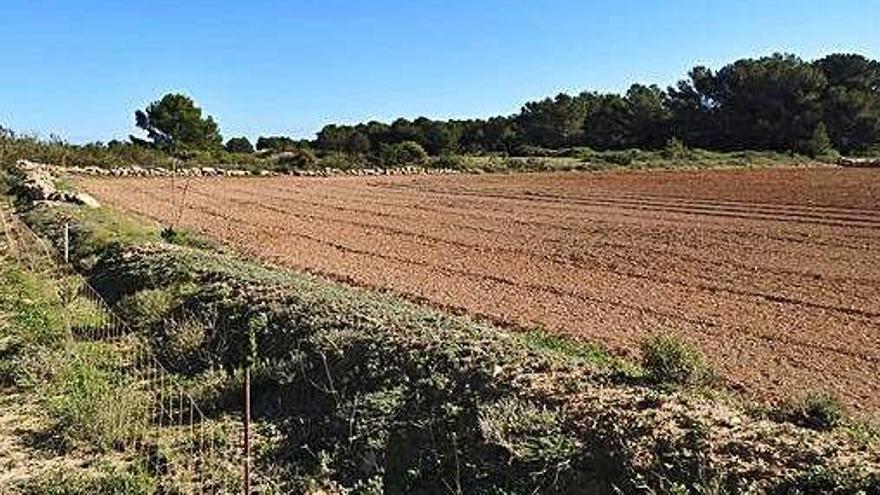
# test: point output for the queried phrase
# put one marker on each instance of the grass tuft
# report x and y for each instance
(552, 343)
(529, 433)
(817, 410)
(671, 361)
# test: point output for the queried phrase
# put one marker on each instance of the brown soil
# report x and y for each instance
(775, 273)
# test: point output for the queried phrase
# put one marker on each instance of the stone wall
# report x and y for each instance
(136, 171)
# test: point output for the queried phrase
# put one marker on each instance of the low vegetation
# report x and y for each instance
(71, 385)
(818, 410)
(672, 362)
(76, 404)
(105, 479)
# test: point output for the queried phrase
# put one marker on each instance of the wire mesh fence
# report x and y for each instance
(150, 411)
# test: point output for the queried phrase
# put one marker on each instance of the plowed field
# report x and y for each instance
(775, 273)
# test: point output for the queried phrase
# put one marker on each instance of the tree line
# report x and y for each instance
(775, 103)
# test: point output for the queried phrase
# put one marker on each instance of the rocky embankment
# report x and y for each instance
(38, 184)
(859, 162)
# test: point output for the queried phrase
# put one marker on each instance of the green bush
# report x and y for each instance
(401, 154)
(818, 144)
(89, 399)
(144, 308)
(181, 344)
(675, 150)
(529, 433)
(296, 159)
(817, 410)
(671, 361)
(186, 237)
(453, 162)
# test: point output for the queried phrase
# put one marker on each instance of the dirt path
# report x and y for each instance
(775, 273)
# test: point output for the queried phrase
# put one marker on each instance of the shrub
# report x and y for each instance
(89, 401)
(452, 162)
(239, 145)
(529, 433)
(538, 151)
(817, 410)
(625, 157)
(675, 150)
(146, 307)
(293, 160)
(405, 153)
(181, 345)
(818, 144)
(186, 237)
(668, 360)
(346, 161)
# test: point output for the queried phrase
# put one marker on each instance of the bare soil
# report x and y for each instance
(774, 273)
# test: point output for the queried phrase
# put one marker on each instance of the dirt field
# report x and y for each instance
(775, 273)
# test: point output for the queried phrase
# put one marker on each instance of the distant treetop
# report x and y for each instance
(176, 122)
(774, 103)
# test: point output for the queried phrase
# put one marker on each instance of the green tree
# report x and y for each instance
(554, 123)
(770, 103)
(441, 138)
(404, 130)
(405, 153)
(851, 104)
(176, 122)
(648, 116)
(819, 143)
(607, 125)
(276, 143)
(343, 138)
(239, 145)
(695, 116)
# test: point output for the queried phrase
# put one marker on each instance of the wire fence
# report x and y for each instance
(150, 412)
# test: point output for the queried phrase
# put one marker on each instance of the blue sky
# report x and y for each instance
(80, 69)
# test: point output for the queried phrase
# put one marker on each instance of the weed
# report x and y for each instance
(548, 342)
(817, 410)
(528, 432)
(828, 481)
(89, 401)
(864, 431)
(186, 237)
(146, 307)
(32, 323)
(671, 361)
(107, 480)
(180, 344)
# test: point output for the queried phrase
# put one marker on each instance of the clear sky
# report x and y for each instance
(79, 69)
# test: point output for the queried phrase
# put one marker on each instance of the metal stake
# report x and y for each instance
(247, 430)
(66, 242)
